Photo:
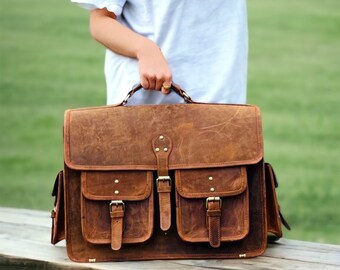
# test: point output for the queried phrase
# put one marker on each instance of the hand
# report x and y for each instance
(154, 70)
(155, 73)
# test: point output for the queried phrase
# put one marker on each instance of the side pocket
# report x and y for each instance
(274, 216)
(58, 212)
(212, 205)
(117, 207)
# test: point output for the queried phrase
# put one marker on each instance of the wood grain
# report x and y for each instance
(25, 244)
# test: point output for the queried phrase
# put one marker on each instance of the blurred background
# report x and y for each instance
(49, 62)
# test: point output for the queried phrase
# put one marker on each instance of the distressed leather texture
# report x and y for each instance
(176, 181)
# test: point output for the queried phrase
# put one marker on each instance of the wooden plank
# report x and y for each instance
(25, 216)
(311, 252)
(25, 242)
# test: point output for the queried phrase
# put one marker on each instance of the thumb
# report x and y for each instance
(166, 87)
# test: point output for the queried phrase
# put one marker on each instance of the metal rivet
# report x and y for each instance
(92, 260)
(242, 255)
(165, 149)
(161, 137)
(210, 178)
(157, 149)
(212, 189)
(116, 191)
(116, 181)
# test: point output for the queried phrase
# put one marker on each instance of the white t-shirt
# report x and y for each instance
(204, 42)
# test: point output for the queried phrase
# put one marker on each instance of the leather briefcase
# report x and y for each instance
(173, 181)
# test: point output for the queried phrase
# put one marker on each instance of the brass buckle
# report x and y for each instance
(164, 178)
(213, 199)
(118, 202)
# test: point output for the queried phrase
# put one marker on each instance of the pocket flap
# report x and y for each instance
(203, 183)
(116, 185)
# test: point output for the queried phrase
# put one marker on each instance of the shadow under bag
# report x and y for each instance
(174, 181)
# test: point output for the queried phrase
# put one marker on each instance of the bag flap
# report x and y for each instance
(202, 136)
(217, 182)
(117, 185)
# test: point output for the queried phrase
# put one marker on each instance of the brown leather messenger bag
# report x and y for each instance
(172, 181)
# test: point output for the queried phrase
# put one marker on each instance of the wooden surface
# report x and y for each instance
(25, 244)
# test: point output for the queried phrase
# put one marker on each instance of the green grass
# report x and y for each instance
(294, 67)
(50, 63)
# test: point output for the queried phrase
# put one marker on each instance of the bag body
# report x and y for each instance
(174, 181)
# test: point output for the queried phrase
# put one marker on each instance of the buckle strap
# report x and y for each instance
(213, 205)
(164, 190)
(117, 209)
(162, 146)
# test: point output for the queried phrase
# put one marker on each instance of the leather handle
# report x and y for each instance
(174, 87)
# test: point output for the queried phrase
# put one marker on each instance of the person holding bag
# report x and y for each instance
(172, 181)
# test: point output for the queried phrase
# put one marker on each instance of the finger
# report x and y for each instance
(159, 83)
(152, 83)
(144, 82)
(165, 91)
(166, 87)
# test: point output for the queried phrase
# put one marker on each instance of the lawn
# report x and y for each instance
(48, 63)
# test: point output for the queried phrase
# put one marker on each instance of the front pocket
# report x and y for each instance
(117, 207)
(212, 204)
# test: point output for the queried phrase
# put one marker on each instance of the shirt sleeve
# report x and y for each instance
(115, 6)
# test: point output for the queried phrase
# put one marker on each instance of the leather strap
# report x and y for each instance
(174, 87)
(214, 222)
(274, 215)
(164, 190)
(117, 217)
(162, 146)
(58, 213)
